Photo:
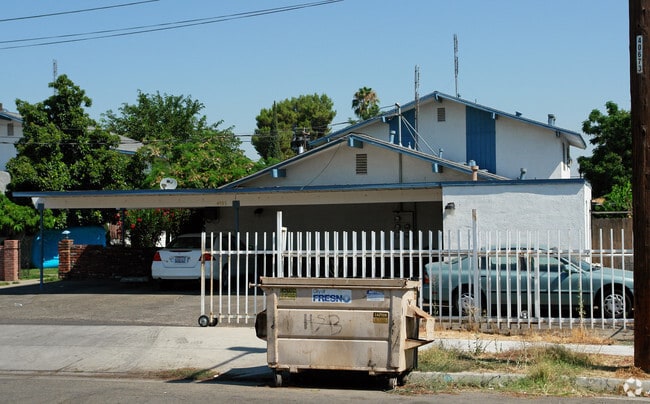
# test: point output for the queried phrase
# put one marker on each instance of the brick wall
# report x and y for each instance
(10, 257)
(78, 261)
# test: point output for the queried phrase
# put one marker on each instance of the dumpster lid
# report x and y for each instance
(352, 283)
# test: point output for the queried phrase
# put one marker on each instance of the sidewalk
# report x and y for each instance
(136, 349)
(114, 350)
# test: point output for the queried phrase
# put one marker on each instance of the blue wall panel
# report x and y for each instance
(481, 138)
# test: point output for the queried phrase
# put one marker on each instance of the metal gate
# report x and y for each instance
(504, 279)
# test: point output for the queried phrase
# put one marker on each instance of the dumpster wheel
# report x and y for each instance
(278, 378)
(204, 321)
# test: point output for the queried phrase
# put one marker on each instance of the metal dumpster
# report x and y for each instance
(368, 325)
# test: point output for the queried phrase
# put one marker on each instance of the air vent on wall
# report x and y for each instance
(441, 115)
(362, 163)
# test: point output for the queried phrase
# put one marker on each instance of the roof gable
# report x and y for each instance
(333, 165)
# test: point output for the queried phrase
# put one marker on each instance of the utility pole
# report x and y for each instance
(639, 69)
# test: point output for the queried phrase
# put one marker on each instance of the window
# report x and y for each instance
(441, 115)
(10, 129)
(362, 164)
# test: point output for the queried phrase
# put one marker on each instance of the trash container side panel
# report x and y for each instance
(337, 324)
(334, 354)
(271, 329)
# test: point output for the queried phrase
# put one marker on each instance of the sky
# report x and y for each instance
(535, 56)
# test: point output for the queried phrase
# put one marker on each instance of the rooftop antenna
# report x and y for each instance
(55, 72)
(417, 96)
(456, 63)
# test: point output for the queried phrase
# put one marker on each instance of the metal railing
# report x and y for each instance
(519, 283)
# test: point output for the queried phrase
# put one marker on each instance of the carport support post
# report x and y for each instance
(235, 205)
(41, 209)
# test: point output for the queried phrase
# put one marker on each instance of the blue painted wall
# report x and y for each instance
(481, 138)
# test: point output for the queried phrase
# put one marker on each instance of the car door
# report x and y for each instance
(506, 282)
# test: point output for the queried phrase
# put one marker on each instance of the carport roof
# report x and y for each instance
(198, 198)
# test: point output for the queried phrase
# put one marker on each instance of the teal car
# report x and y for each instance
(531, 283)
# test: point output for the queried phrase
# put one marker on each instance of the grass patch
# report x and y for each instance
(543, 370)
(49, 274)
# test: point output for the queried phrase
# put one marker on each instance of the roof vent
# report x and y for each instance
(551, 119)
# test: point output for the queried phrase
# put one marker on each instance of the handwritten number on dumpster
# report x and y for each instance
(328, 323)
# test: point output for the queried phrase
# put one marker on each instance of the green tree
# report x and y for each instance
(611, 162)
(63, 149)
(365, 103)
(179, 142)
(16, 219)
(618, 200)
(277, 125)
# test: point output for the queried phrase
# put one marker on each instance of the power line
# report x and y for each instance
(160, 27)
(76, 11)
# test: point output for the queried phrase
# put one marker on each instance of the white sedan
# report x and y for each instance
(181, 260)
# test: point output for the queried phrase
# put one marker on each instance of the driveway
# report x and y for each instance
(100, 302)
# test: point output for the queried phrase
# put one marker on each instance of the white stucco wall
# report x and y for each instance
(557, 213)
(448, 135)
(337, 166)
(519, 145)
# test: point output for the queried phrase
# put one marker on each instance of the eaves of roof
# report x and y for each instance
(10, 116)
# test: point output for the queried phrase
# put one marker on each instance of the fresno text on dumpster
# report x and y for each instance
(331, 296)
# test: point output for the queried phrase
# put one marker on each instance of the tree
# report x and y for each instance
(277, 125)
(179, 142)
(611, 162)
(63, 149)
(365, 103)
(16, 219)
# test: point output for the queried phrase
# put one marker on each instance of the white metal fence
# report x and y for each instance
(505, 279)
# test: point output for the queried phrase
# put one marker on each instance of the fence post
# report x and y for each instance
(279, 245)
(475, 267)
(11, 258)
(65, 257)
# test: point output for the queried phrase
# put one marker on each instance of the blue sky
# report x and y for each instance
(534, 56)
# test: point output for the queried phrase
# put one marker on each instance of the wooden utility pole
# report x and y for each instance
(639, 70)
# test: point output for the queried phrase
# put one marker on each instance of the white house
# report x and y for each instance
(11, 129)
(364, 179)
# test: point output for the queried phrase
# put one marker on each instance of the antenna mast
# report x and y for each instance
(55, 72)
(417, 96)
(456, 63)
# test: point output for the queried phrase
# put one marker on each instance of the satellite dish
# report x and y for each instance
(168, 183)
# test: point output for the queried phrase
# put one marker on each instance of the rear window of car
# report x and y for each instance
(186, 242)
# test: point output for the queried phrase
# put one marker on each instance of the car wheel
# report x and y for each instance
(616, 303)
(464, 303)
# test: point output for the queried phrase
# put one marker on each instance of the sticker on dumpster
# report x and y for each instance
(331, 296)
(380, 317)
(375, 296)
(288, 293)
